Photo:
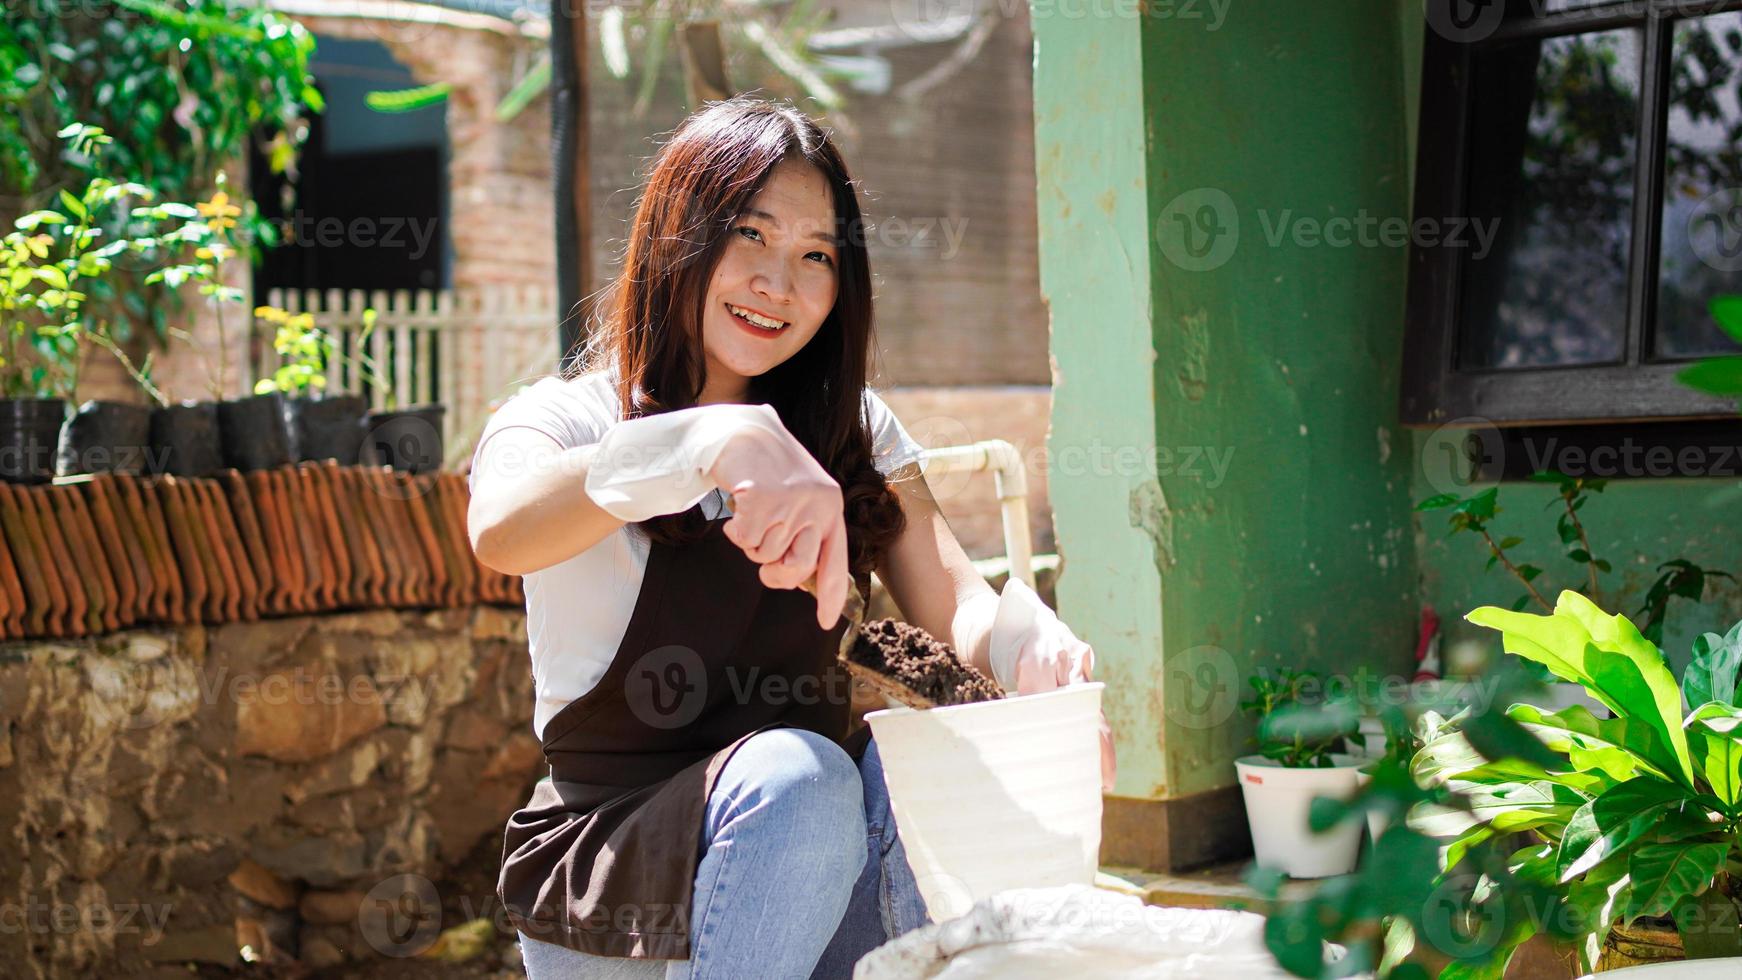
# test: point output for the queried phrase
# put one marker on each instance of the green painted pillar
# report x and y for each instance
(1230, 486)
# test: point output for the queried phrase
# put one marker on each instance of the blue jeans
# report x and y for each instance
(801, 872)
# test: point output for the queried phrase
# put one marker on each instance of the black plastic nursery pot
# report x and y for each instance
(105, 437)
(407, 439)
(329, 428)
(255, 432)
(29, 432)
(185, 441)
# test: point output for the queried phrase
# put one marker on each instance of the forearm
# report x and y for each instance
(535, 504)
(971, 627)
(935, 584)
(532, 509)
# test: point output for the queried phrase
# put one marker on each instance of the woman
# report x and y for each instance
(708, 814)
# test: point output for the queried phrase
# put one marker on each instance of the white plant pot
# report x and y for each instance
(995, 795)
(1724, 968)
(1277, 803)
(1376, 821)
(1374, 739)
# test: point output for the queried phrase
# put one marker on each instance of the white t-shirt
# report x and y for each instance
(578, 610)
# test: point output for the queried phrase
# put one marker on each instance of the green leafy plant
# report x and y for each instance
(303, 349)
(1297, 726)
(1677, 577)
(55, 257)
(1568, 527)
(1400, 914)
(180, 86)
(209, 234)
(1719, 375)
(767, 44)
(1637, 815)
(1473, 514)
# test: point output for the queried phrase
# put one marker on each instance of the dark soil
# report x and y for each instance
(910, 656)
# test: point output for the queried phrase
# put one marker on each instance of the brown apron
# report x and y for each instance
(603, 858)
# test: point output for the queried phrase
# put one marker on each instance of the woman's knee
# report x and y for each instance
(805, 778)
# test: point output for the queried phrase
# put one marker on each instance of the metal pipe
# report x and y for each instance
(1010, 482)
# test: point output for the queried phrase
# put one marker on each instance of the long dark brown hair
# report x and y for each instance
(649, 328)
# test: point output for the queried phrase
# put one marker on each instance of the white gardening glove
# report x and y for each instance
(1032, 651)
(659, 464)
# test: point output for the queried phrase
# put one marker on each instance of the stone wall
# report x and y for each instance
(168, 795)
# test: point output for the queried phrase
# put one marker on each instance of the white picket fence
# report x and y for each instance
(464, 348)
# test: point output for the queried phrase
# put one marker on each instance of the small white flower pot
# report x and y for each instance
(996, 794)
(1375, 740)
(1278, 800)
(1376, 821)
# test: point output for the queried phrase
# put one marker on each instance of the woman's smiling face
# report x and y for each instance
(778, 270)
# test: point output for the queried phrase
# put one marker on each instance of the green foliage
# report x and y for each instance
(180, 86)
(1712, 674)
(1678, 577)
(409, 99)
(1719, 375)
(1399, 900)
(1622, 817)
(1640, 813)
(766, 45)
(55, 257)
(1471, 515)
(1298, 726)
(304, 351)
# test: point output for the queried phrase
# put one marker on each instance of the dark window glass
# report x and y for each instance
(1552, 148)
(1702, 194)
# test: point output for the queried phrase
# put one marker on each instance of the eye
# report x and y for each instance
(823, 256)
(749, 232)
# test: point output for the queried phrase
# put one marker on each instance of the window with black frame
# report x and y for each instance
(1599, 147)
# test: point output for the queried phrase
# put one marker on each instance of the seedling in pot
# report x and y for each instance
(1298, 727)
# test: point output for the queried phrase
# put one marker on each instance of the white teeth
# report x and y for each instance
(764, 322)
